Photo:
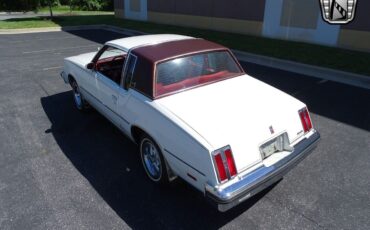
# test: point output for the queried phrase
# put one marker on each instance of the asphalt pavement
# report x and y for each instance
(62, 169)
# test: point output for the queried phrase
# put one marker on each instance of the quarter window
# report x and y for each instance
(130, 71)
(142, 79)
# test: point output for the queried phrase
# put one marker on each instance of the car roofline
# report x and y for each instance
(116, 43)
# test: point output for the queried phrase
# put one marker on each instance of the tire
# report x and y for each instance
(80, 103)
(153, 161)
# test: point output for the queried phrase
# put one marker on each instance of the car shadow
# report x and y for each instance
(336, 101)
(96, 35)
(109, 161)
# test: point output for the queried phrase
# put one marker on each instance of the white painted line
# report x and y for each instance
(50, 68)
(51, 50)
(40, 39)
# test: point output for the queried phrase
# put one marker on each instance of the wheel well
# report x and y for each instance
(71, 79)
(136, 133)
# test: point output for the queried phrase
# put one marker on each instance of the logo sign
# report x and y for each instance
(338, 11)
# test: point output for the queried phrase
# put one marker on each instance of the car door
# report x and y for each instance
(87, 83)
(109, 67)
(123, 94)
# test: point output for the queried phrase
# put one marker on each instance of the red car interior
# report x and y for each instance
(190, 82)
(111, 67)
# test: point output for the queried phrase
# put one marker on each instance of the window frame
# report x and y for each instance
(242, 72)
(100, 53)
(124, 72)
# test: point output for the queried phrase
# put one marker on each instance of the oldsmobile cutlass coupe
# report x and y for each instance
(194, 113)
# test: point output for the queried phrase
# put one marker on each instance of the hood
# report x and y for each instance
(237, 112)
(82, 59)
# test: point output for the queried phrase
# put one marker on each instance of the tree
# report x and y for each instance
(107, 5)
(92, 4)
(50, 8)
(20, 5)
(87, 4)
(50, 4)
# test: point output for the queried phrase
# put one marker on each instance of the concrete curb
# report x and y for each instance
(71, 28)
(51, 29)
(348, 78)
(357, 80)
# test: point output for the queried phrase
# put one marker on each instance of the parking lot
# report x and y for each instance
(62, 169)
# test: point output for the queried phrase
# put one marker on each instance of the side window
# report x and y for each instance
(142, 79)
(110, 63)
(131, 63)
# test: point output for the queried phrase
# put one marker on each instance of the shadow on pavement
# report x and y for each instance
(109, 161)
(99, 36)
(336, 101)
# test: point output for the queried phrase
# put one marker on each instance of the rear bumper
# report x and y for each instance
(259, 179)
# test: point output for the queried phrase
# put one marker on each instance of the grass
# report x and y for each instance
(335, 58)
(65, 10)
(20, 23)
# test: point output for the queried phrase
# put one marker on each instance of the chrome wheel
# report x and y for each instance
(77, 96)
(151, 159)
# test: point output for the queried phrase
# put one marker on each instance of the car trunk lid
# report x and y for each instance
(241, 112)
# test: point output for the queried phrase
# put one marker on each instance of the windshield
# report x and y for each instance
(186, 72)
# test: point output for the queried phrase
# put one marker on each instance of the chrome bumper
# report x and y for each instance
(261, 178)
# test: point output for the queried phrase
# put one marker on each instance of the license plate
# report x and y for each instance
(277, 144)
(270, 149)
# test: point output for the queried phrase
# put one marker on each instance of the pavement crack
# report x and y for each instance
(277, 202)
(43, 89)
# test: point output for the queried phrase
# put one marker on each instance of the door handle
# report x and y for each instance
(114, 98)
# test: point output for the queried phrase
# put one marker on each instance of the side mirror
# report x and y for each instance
(90, 65)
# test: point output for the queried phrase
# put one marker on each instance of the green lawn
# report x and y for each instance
(65, 10)
(351, 61)
(26, 23)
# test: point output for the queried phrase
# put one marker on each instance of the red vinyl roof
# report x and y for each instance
(167, 50)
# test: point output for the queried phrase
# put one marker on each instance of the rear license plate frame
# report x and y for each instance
(277, 144)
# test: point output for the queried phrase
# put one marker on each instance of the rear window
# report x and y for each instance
(190, 71)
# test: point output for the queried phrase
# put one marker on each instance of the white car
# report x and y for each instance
(194, 113)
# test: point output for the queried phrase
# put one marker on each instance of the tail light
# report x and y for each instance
(305, 119)
(221, 171)
(224, 164)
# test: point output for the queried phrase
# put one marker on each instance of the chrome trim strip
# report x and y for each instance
(262, 177)
(184, 162)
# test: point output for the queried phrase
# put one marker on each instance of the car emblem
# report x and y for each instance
(272, 131)
(338, 11)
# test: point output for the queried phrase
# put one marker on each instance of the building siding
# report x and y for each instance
(119, 4)
(236, 9)
(210, 23)
(297, 20)
(300, 13)
(356, 34)
(361, 21)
